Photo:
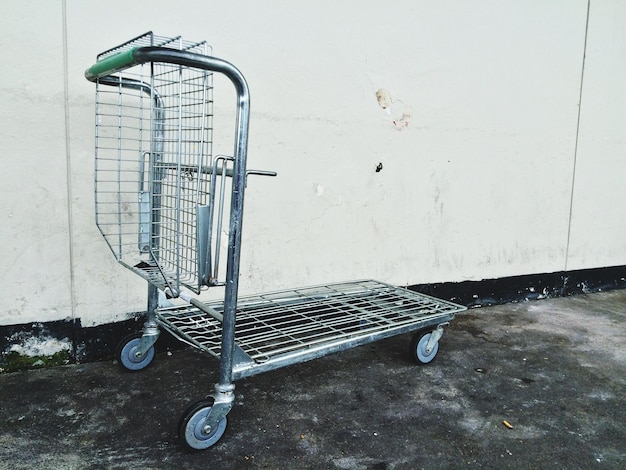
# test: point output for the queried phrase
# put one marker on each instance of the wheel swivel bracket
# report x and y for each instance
(435, 336)
(223, 403)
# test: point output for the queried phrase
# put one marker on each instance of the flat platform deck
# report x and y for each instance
(282, 328)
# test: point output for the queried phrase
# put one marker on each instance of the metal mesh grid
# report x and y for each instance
(150, 39)
(281, 323)
(154, 130)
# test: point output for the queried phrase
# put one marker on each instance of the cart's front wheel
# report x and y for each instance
(419, 348)
(192, 429)
(127, 354)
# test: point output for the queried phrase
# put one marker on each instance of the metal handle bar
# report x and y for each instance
(142, 55)
(261, 173)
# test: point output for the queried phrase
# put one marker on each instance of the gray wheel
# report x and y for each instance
(192, 431)
(127, 354)
(418, 348)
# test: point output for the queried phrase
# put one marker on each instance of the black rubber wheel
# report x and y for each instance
(418, 348)
(191, 429)
(127, 354)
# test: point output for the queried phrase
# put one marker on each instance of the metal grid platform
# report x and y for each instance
(290, 326)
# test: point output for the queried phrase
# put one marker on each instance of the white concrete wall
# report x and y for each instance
(597, 236)
(486, 180)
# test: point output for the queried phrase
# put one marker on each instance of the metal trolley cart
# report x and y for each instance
(171, 212)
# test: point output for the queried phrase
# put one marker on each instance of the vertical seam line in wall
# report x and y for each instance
(580, 99)
(68, 166)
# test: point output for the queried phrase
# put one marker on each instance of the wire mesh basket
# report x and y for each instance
(155, 173)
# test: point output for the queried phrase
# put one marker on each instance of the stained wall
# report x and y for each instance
(500, 153)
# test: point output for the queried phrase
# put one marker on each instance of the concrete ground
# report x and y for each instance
(555, 370)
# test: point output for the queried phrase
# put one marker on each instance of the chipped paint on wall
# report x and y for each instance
(318, 189)
(384, 98)
(399, 112)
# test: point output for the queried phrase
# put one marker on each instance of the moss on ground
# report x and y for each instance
(14, 361)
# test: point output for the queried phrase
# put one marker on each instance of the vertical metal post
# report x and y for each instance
(156, 54)
(236, 219)
(150, 327)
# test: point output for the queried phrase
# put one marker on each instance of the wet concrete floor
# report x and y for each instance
(554, 370)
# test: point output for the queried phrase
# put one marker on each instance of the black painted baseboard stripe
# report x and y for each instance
(527, 287)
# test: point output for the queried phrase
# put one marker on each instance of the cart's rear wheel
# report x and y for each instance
(127, 353)
(418, 348)
(192, 430)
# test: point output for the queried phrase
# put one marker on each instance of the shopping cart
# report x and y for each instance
(171, 212)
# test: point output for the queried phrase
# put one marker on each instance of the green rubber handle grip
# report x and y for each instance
(112, 64)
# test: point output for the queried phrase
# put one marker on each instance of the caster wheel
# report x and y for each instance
(418, 348)
(191, 429)
(127, 354)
